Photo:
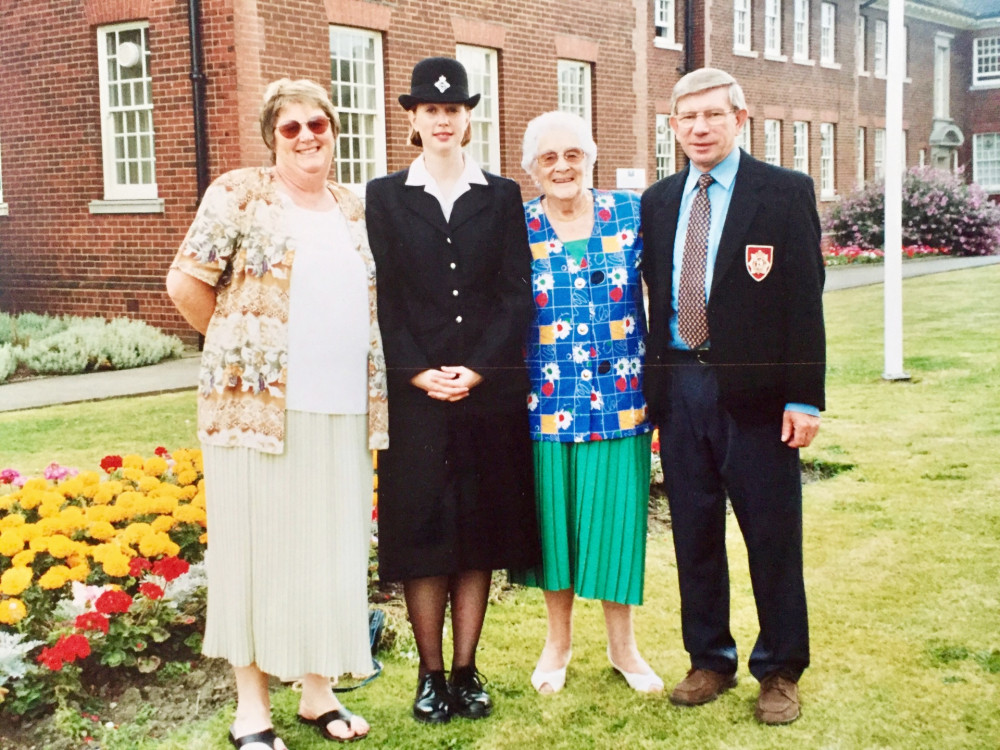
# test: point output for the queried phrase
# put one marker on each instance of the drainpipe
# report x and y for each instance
(688, 36)
(198, 97)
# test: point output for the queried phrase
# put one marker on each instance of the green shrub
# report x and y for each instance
(939, 210)
(20, 330)
(78, 345)
(8, 361)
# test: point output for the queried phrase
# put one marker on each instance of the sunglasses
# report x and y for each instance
(290, 129)
(571, 155)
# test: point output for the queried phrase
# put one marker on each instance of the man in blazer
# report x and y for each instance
(734, 378)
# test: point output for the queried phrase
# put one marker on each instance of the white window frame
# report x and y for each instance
(860, 37)
(828, 34)
(482, 64)
(666, 148)
(359, 99)
(772, 142)
(986, 61)
(665, 21)
(827, 163)
(743, 137)
(878, 163)
(800, 146)
(800, 29)
(986, 148)
(860, 146)
(879, 54)
(136, 188)
(573, 88)
(942, 76)
(772, 28)
(742, 25)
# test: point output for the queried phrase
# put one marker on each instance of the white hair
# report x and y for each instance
(556, 120)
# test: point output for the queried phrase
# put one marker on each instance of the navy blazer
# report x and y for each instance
(766, 335)
(454, 292)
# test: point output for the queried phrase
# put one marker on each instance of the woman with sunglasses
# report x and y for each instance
(455, 486)
(587, 412)
(277, 275)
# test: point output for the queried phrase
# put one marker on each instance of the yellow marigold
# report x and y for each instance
(30, 499)
(11, 521)
(23, 559)
(116, 565)
(156, 544)
(161, 504)
(12, 611)
(89, 490)
(133, 475)
(61, 546)
(134, 532)
(38, 543)
(71, 487)
(132, 461)
(54, 578)
(49, 526)
(6, 503)
(89, 478)
(191, 514)
(104, 495)
(72, 518)
(11, 542)
(15, 580)
(189, 492)
(36, 484)
(199, 499)
(79, 572)
(101, 530)
(187, 477)
(148, 484)
(164, 523)
(203, 539)
(49, 508)
(129, 502)
(155, 466)
(97, 513)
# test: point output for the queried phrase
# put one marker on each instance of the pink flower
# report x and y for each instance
(57, 473)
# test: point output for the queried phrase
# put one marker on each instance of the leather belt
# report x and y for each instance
(688, 356)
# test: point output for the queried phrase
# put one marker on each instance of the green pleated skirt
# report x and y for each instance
(592, 501)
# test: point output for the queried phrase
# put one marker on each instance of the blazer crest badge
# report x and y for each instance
(759, 260)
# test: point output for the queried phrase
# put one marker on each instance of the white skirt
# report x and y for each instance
(287, 559)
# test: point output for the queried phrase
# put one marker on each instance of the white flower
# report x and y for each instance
(532, 401)
(563, 419)
(622, 367)
(605, 201)
(554, 246)
(561, 329)
(618, 276)
(596, 400)
(551, 371)
(543, 281)
(580, 354)
(629, 324)
(627, 238)
(634, 365)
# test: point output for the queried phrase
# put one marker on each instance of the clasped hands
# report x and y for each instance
(449, 383)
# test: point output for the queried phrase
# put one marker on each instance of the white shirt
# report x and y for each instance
(327, 315)
(471, 175)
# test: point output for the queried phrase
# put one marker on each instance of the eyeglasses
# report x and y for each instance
(570, 155)
(713, 118)
(290, 129)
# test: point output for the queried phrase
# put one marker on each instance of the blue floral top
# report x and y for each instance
(586, 347)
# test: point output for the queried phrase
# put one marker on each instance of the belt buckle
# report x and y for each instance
(702, 356)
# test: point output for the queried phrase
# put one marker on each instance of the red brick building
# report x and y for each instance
(104, 152)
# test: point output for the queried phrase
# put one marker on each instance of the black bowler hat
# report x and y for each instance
(440, 80)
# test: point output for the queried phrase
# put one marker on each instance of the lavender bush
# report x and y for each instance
(939, 210)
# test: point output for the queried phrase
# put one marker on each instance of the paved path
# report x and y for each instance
(182, 374)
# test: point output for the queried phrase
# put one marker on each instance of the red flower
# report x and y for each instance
(67, 649)
(138, 565)
(51, 659)
(111, 602)
(92, 621)
(161, 451)
(170, 568)
(110, 463)
(151, 591)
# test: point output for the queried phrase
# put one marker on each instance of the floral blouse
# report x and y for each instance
(237, 245)
(585, 350)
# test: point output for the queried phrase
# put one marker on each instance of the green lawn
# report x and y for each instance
(902, 565)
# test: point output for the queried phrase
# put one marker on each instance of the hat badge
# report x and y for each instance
(442, 84)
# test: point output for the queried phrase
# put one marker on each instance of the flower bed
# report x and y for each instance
(838, 255)
(99, 571)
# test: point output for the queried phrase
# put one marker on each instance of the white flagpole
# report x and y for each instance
(893, 285)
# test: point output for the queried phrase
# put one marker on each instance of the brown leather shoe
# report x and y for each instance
(778, 702)
(701, 686)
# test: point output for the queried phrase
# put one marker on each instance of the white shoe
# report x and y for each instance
(547, 683)
(648, 682)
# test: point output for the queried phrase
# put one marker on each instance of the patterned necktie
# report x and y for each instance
(692, 322)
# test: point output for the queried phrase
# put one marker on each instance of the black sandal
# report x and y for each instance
(337, 714)
(267, 737)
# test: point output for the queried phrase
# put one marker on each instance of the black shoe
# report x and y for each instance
(470, 700)
(433, 702)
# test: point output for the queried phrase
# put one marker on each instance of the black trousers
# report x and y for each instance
(708, 455)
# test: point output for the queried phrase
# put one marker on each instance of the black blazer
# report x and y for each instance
(453, 292)
(766, 336)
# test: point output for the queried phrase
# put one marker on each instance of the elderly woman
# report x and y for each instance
(276, 273)
(455, 487)
(587, 412)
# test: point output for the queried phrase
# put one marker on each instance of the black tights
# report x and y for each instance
(426, 600)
